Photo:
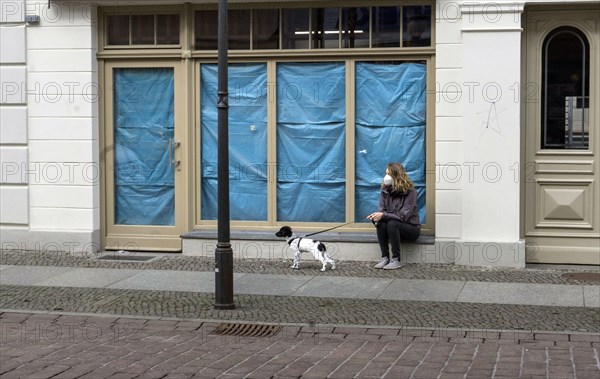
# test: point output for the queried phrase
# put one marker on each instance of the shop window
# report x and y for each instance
(142, 29)
(238, 24)
(318, 28)
(325, 31)
(207, 29)
(247, 141)
(311, 141)
(390, 108)
(565, 90)
(117, 30)
(416, 25)
(295, 28)
(167, 29)
(355, 27)
(386, 27)
(265, 29)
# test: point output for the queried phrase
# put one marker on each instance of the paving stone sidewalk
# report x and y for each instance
(73, 332)
(58, 346)
(282, 266)
(284, 309)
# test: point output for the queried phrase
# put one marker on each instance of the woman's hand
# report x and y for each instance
(375, 216)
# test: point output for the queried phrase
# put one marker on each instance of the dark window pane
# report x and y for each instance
(117, 30)
(325, 28)
(294, 24)
(565, 90)
(265, 29)
(238, 23)
(142, 29)
(355, 27)
(386, 26)
(416, 25)
(167, 29)
(206, 28)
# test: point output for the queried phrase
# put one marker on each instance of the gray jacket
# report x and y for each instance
(401, 206)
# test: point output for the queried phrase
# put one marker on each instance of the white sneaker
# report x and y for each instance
(384, 261)
(394, 264)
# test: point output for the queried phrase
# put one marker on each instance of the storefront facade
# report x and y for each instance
(109, 124)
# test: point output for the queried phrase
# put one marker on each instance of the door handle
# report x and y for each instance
(172, 146)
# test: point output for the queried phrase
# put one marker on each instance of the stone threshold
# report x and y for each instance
(255, 235)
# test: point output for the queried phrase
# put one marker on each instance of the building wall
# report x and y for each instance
(14, 210)
(51, 134)
(49, 137)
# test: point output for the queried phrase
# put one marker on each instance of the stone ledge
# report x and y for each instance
(325, 237)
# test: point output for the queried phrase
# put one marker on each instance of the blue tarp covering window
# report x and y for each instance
(311, 159)
(247, 141)
(390, 126)
(144, 124)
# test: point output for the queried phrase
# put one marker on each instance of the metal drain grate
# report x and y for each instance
(247, 330)
(583, 276)
(127, 257)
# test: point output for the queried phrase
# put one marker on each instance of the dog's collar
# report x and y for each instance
(295, 238)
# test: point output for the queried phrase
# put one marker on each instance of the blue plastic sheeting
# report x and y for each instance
(144, 124)
(247, 141)
(311, 159)
(390, 127)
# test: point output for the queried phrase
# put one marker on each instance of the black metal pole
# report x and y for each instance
(223, 253)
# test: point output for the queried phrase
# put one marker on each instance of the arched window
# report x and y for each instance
(565, 90)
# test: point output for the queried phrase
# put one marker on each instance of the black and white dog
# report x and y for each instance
(301, 245)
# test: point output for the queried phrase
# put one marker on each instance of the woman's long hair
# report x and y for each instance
(402, 182)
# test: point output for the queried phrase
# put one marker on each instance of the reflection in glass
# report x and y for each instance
(265, 29)
(294, 23)
(355, 27)
(117, 30)
(238, 25)
(416, 25)
(167, 29)
(386, 27)
(206, 28)
(565, 90)
(142, 29)
(325, 28)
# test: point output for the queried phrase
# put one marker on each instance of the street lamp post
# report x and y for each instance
(223, 252)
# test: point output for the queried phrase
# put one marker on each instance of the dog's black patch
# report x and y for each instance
(285, 231)
(321, 247)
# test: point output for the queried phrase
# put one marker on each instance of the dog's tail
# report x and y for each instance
(321, 247)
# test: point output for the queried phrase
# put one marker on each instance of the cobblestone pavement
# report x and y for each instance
(281, 309)
(58, 346)
(58, 332)
(281, 266)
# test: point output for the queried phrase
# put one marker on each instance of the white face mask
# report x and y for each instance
(388, 180)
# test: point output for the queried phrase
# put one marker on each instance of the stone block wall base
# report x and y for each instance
(490, 254)
(468, 253)
(86, 242)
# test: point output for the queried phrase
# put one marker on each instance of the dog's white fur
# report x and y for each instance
(301, 245)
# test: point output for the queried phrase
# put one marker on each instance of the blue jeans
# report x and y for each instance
(394, 232)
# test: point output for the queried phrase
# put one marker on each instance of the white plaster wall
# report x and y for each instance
(54, 120)
(14, 201)
(448, 121)
(63, 116)
(491, 52)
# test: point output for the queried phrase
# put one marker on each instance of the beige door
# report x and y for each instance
(143, 182)
(562, 126)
